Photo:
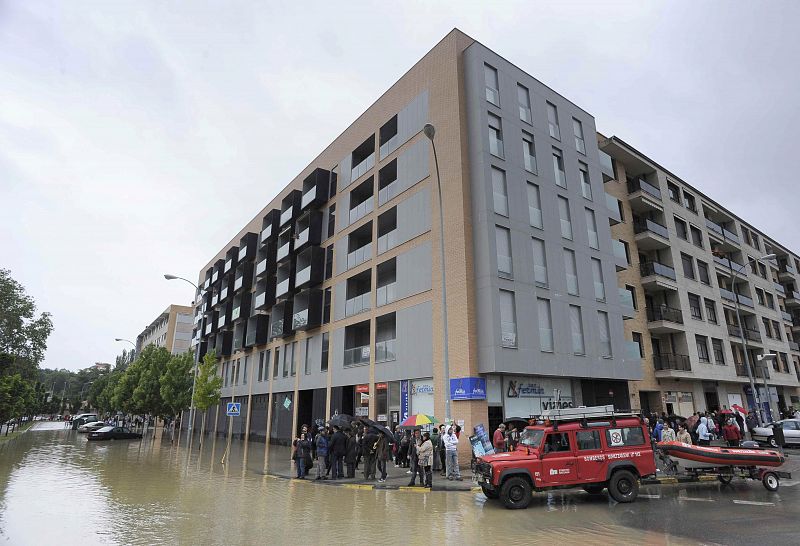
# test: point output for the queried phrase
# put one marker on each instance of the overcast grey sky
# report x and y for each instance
(137, 138)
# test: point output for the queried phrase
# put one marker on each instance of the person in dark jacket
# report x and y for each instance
(405, 442)
(442, 454)
(302, 447)
(383, 452)
(321, 452)
(337, 447)
(369, 439)
(352, 454)
(413, 451)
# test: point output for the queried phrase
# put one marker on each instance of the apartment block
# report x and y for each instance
(690, 263)
(328, 300)
(172, 329)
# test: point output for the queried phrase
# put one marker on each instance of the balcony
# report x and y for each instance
(786, 316)
(386, 294)
(261, 268)
(359, 255)
(794, 346)
(714, 227)
(236, 313)
(387, 241)
(283, 251)
(214, 277)
(361, 169)
(361, 210)
(214, 300)
(266, 233)
(612, 204)
(308, 197)
(286, 215)
(779, 288)
(228, 265)
(643, 196)
(282, 288)
(721, 237)
(385, 350)
(792, 298)
(750, 333)
(650, 235)
(667, 362)
(388, 192)
(626, 300)
(357, 356)
(620, 256)
(315, 189)
(281, 317)
(257, 330)
(657, 276)
(238, 283)
(664, 320)
(746, 301)
(606, 166)
(224, 292)
(389, 146)
(307, 310)
(260, 300)
(357, 304)
(760, 371)
(786, 272)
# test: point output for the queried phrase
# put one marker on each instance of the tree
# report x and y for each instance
(207, 388)
(124, 360)
(123, 389)
(176, 383)
(16, 397)
(147, 393)
(23, 336)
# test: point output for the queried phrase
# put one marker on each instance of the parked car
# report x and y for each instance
(791, 433)
(114, 433)
(82, 419)
(91, 427)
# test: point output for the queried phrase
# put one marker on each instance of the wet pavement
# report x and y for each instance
(57, 488)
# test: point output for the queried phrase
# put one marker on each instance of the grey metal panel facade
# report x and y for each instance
(339, 300)
(413, 271)
(315, 379)
(345, 170)
(342, 209)
(414, 216)
(340, 255)
(527, 358)
(414, 346)
(340, 374)
(412, 118)
(412, 164)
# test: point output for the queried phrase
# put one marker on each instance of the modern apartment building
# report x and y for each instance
(171, 329)
(328, 300)
(688, 262)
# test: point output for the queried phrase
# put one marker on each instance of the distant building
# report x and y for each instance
(102, 366)
(171, 329)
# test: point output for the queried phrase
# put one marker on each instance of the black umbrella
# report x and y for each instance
(517, 420)
(377, 426)
(341, 420)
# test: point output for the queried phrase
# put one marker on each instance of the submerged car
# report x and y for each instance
(114, 433)
(791, 433)
(92, 426)
(82, 419)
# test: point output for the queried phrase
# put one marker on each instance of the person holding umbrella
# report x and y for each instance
(337, 448)
(352, 454)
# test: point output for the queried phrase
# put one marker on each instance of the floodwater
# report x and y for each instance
(57, 488)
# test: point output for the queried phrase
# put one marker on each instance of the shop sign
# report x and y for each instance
(404, 400)
(421, 388)
(362, 388)
(686, 397)
(382, 417)
(362, 411)
(670, 398)
(381, 386)
(532, 396)
(364, 398)
(468, 388)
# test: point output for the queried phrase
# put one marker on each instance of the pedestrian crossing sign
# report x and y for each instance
(234, 409)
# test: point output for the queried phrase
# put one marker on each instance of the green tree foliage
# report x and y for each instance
(147, 393)
(23, 335)
(176, 383)
(207, 387)
(122, 398)
(17, 397)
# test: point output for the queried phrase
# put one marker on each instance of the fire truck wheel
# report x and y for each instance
(490, 493)
(516, 493)
(623, 486)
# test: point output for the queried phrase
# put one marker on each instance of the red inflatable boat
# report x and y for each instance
(708, 456)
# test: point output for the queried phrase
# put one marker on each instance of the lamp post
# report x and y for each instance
(734, 274)
(127, 341)
(194, 368)
(430, 132)
(766, 359)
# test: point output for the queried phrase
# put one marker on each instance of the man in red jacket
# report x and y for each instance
(499, 439)
(731, 433)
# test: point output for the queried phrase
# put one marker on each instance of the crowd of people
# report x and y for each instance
(338, 452)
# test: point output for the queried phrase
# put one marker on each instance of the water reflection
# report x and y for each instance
(57, 488)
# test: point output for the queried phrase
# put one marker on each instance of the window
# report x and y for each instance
(503, 239)
(702, 348)
(275, 363)
(236, 367)
(711, 311)
(492, 84)
(605, 334)
(545, 325)
(331, 219)
(495, 136)
(529, 152)
(760, 296)
(770, 300)
(591, 228)
(556, 442)
(244, 371)
(588, 439)
(571, 272)
(694, 306)
(776, 327)
(328, 262)
(326, 306)
(680, 228)
(552, 121)
(566, 222)
(535, 206)
(539, 263)
(599, 285)
(558, 168)
(785, 366)
(632, 291)
(499, 191)
(577, 129)
(674, 192)
(697, 237)
(762, 270)
(307, 359)
(688, 266)
(294, 355)
(524, 100)
(756, 243)
(628, 436)
(576, 325)
(637, 339)
(719, 353)
(702, 271)
(260, 366)
(767, 327)
(326, 342)
(508, 320)
(688, 202)
(586, 186)
(332, 185)
(224, 370)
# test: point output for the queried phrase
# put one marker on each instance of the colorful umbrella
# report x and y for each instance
(419, 419)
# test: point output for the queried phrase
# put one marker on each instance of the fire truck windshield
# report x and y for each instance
(531, 437)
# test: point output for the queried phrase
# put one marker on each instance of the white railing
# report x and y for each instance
(385, 350)
(282, 288)
(308, 197)
(357, 304)
(302, 276)
(388, 192)
(356, 356)
(359, 255)
(366, 164)
(283, 251)
(388, 147)
(386, 294)
(361, 210)
(387, 241)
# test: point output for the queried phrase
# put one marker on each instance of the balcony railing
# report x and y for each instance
(643, 224)
(779, 288)
(792, 295)
(388, 147)
(359, 255)
(283, 251)
(228, 265)
(282, 288)
(361, 210)
(606, 165)
(744, 300)
(727, 294)
(619, 250)
(261, 267)
(662, 312)
(715, 227)
(209, 327)
(221, 322)
(667, 361)
(724, 263)
(238, 283)
(242, 253)
(387, 193)
(286, 215)
(655, 268)
(637, 184)
(302, 276)
(366, 164)
(729, 235)
(760, 371)
(357, 304)
(237, 311)
(300, 319)
(265, 233)
(626, 298)
(508, 334)
(632, 351)
(750, 333)
(308, 197)
(786, 316)
(385, 294)
(214, 277)
(612, 203)
(302, 238)
(357, 356)
(385, 350)
(387, 241)
(261, 299)
(214, 299)
(787, 268)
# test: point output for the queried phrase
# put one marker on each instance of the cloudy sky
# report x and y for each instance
(136, 138)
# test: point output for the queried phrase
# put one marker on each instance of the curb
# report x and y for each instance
(369, 487)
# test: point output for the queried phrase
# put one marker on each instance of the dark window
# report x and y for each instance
(331, 219)
(329, 262)
(702, 348)
(588, 439)
(680, 227)
(702, 271)
(637, 339)
(674, 192)
(697, 236)
(688, 202)
(625, 436)
(719, 354)
(332, 187)
(557, 442)
(688, 266)
(275, 364)
(632, 291)
(711, 311)
(694, 305)
(325, 346)
(326, 307)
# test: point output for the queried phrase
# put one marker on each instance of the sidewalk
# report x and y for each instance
(396, 478)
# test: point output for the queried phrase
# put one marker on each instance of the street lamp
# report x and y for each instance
(734, 274)
(127, 341)
(430, 132)
(194, 369)
(766, 359)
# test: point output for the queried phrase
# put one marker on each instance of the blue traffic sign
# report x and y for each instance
(234, 409)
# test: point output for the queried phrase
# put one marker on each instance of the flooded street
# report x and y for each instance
(57, 488)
